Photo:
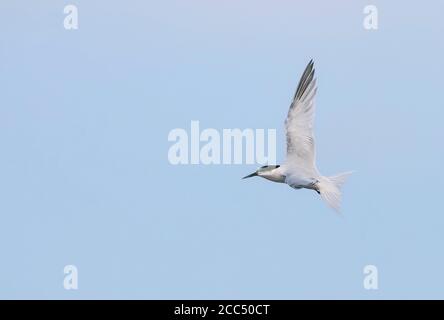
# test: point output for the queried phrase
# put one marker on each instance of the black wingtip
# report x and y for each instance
(305, 80)
(310, 64)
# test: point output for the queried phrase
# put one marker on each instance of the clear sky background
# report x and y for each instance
(85, 178)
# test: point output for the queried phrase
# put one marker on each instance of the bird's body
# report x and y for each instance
(299, 169)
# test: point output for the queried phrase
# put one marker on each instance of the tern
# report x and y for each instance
(299, 170)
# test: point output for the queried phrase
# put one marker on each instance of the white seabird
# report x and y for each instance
(299, 169)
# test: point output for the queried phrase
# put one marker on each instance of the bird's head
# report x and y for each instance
(262, 171)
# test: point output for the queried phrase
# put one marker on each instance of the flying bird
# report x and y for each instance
(299, 169)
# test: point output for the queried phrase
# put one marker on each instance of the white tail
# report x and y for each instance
(330, 189)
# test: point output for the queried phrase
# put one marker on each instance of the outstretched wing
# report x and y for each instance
(301, 151)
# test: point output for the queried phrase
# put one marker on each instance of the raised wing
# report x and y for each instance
(301, 151)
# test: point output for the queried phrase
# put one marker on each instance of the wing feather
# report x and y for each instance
(301, 151)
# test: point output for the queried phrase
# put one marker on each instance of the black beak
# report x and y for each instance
(250, 175)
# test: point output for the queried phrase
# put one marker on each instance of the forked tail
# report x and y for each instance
(330, 189)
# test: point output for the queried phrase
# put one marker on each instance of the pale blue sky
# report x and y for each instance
(84, 174)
